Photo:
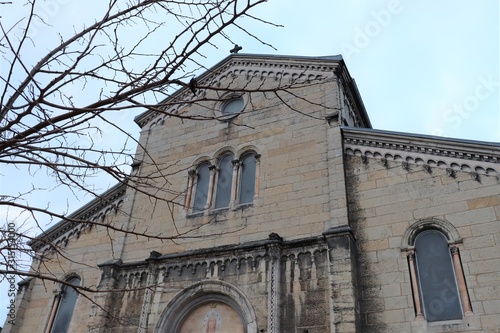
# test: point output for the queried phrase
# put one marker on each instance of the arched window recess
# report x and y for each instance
(63, 306)
(436, 274)
(229, 184)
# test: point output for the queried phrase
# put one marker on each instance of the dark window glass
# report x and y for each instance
(201, 193)
(436, 276)
(224, 182)
(247, 179)
(65, 308)
(233, 106)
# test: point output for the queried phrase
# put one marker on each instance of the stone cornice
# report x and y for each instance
(223, 256)
(276, 67)
(478, 158)
(60, 233)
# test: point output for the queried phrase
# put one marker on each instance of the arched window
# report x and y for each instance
(248, 168)
(202, 185)
(436, 277)
(224, 181)
(65, 307)
(232, 182)
(436, 274)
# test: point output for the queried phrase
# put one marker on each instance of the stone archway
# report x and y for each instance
(208, 307)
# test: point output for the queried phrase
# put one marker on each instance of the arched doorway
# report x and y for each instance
(208, 307)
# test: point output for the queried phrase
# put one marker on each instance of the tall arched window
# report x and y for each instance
(224, 181)
(436, 276)
(248, 167)
(65, 307)
(202, 184)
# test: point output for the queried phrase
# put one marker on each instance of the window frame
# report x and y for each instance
(218, 191)
(438, 274)
(214, 186)
(227, 100)
(450, 234)
(194, 187)
(58, 303)
(241, 169)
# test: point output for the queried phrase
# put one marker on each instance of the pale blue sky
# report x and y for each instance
(429, 67)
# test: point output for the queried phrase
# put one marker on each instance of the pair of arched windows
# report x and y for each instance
(228, 183)
(438, 282)
(63, 307)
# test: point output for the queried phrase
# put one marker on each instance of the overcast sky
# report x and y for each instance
(429, 67)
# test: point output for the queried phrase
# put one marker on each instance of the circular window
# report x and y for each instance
(233, 106)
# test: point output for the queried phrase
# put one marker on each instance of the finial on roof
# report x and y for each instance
(236, 48)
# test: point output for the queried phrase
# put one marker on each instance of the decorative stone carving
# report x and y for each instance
(475, 158)
(282, 72)
(60, 234)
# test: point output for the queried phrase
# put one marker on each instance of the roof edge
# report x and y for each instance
(352, 132)
(139, 119)
(89, 209)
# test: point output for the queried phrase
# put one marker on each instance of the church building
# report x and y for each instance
(262, 200)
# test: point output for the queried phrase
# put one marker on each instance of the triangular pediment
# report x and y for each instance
(280, 69)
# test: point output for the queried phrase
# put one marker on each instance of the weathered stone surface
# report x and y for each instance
(320, 248)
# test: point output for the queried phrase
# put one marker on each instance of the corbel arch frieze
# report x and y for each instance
(482, 165)
(73, 230)
(294, 71)
(61, 233)
(301, 254)
(132, 278)
(212, 268)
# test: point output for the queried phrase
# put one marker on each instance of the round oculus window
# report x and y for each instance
(233, 106)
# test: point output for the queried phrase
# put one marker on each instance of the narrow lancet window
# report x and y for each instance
(201, 192)
(247, 178)
(224, 181)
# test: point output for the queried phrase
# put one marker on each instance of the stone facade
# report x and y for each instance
(327, 244)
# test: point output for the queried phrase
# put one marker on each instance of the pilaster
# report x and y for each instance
(344, 311)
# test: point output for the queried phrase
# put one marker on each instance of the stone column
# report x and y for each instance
(189, 193)
(55, 305)
(148, 292)
(274, 283)
(257, 176)
(462, 287)
(414, 285)
(210, 193)
(234, 183)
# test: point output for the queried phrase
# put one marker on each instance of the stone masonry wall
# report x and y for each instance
(80, 256)
(294, 194)
(385, 198)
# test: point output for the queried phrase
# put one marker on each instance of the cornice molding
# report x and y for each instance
(224, 257)
(59, 234)
(477, 158)
(289, 68)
